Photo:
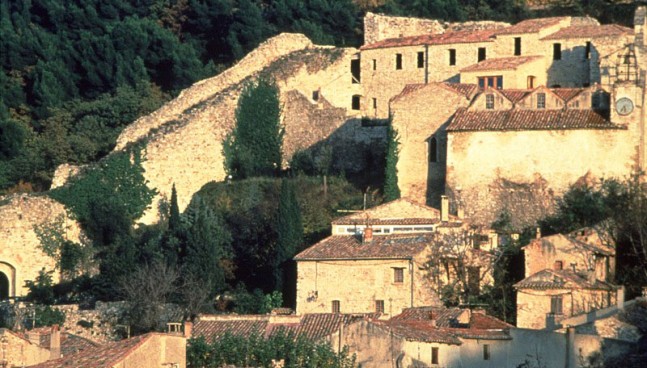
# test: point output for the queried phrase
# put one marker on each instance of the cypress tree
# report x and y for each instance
(289, 231)
(174, 221)
(254, 146)
(391, 190)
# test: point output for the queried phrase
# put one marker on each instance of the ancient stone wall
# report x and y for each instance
(21, 255)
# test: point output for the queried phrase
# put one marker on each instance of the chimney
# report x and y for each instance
(538, 233)
(620, 298)
(460, 211)
(55, 343)
(368, 235)
(188, 329)
(558, 266)
(444, 208)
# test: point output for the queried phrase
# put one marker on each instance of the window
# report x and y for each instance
(517, 46)
(531, 82)
(452, 56)
(489, 101)
(541, 100)
(355, 102)
(315, 95)
(486, 352)
(374, 103)
(379, 306)
(433, 150)
(398, 61)
(421, 59)
(556, 304)
(398, 275)
(335, 306)
(355, 70)
(587, 50)
(481, 55)
(557, 51)
(558, 265)
(494, 81)
(374, 64)
(434, 355)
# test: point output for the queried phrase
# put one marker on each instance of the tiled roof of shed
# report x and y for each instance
(104, 356)
(567, 93)
(464, 89)
(548, 242)
(435, 39)
(507, 120)
(515, 95)
(313, 326)
(402, 211)
(505, 63)
(561, 279)
(530, 25)
(589, 31)
(381, 247)
(70, 343)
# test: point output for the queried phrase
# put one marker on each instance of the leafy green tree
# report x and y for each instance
(289, 232)
(40, 290)
(208, 245)
(391, 189)
(254, 146)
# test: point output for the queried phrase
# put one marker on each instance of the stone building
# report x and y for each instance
(395, 256)
(566, 275)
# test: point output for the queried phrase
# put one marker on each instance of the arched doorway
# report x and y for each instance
(4, 286)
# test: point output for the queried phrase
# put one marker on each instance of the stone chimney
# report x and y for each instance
(620, 298)
(460, 211)
(55, 343)
(367, 237)
(444, 208)
(538, 233)
(558, 265)
(188, 329)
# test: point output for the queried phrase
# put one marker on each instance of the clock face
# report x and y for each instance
(624, 106)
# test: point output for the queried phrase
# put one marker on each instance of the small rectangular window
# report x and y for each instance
(355, 102)
(489, 101)
(379, 306)
(541, 100)
(557, 51)
(335, 306)
(556, 304)
(398, 275)
(355, 70)
(499, 82)
(374, 64)
(433, 149)
(374, 103)
(452, 56)
(587, 50)
(486, 352)
(517, 46)
(421, 59)
(530, 82)
(434, 355)
(398, 61)
(481, 55)
(315, 95)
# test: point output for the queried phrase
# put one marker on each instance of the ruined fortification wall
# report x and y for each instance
(21, 257)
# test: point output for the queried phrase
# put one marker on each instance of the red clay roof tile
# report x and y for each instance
(589, 31)
(381, 247)
(507, 120)
(505, 63)
(435, 39)
(562, 279)
(531, 25)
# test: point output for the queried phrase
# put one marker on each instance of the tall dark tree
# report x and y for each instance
(289, 232)
(254, 146)
(391, 190)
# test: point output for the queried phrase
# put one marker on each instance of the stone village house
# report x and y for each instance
(394, 256)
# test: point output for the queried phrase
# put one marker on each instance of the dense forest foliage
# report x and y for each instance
(74, 73)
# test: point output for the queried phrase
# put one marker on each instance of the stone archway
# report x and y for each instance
(4, 286)
(7, 281)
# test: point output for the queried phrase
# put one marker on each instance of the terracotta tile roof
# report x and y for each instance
(562, 279)
(313, 326)
(549, 241)
(419, 331)
(515, 95)
(70, 343)
(381, 247)
(505, 63)
(531, 25)
(510, 120)
(402, 211)
(447, 317)
(589, 31)
(446, 38)
(104, 356)
(240, 327)
(464, 89)
(567, 93)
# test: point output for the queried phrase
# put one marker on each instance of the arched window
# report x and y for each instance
(433, 149)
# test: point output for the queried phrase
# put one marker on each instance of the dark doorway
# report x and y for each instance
(4, 286)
